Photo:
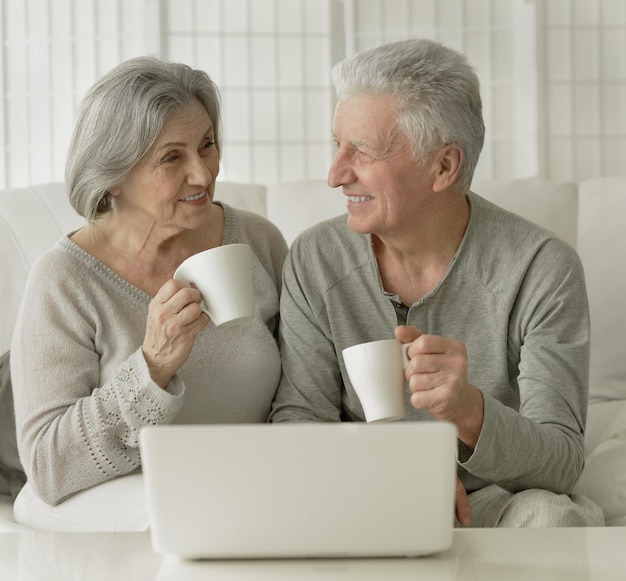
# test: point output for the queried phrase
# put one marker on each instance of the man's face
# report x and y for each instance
(384, 184)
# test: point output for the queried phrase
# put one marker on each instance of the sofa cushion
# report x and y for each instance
(90, 509)
(603, 479)
(12, 476)
(599, 415)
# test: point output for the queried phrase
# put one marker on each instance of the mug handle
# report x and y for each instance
(405, 357)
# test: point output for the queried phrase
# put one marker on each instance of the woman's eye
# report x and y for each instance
(209, 143)
(170, 157)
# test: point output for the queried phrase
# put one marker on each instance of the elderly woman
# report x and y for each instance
(107, 341)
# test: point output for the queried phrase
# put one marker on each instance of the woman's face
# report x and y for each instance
(172, 187)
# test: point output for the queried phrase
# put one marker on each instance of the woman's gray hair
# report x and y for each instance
(119, 120)
(436, 90)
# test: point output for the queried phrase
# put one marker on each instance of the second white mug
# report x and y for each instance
(376, 371)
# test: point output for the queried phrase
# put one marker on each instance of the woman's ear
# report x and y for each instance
(448, 163)
(115, 191)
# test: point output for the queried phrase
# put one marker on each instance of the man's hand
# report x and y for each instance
(462, 508)
(437, 377)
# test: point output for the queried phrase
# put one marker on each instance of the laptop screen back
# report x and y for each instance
(300, 490)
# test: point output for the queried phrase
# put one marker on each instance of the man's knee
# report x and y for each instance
(542, 508)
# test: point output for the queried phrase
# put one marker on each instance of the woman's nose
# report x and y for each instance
(199, 172)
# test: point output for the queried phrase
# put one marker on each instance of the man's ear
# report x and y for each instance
(447, 165)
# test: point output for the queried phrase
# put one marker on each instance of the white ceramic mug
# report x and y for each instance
(223, 275)
(376, 371)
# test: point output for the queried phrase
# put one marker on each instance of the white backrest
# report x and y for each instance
(32, 219)
(252, 197)
(602, 248)
(296, 206)
(553, 205)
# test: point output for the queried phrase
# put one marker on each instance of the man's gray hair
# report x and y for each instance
(119, 120)
(437, 94)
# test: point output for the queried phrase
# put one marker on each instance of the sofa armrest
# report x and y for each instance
(31, 220)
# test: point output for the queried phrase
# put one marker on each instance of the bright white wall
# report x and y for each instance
(553, 75)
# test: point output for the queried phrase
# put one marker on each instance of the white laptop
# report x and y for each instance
(299, 490)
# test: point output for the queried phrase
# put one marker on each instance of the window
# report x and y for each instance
(553, 76)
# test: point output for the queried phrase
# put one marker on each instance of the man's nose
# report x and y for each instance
(341, 171)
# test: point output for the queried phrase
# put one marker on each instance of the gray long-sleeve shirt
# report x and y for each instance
(514, 294)
(81, 385)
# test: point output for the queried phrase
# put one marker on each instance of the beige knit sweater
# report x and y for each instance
(81, 385)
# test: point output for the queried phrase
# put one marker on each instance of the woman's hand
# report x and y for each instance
(174, 321)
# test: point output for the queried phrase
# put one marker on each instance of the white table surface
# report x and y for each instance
(574, 554)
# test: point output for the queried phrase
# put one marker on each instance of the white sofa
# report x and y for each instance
(591, 216)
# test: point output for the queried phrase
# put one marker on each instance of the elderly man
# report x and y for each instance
(495, 307)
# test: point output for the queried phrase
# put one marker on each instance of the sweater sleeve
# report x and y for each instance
(76, 428)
